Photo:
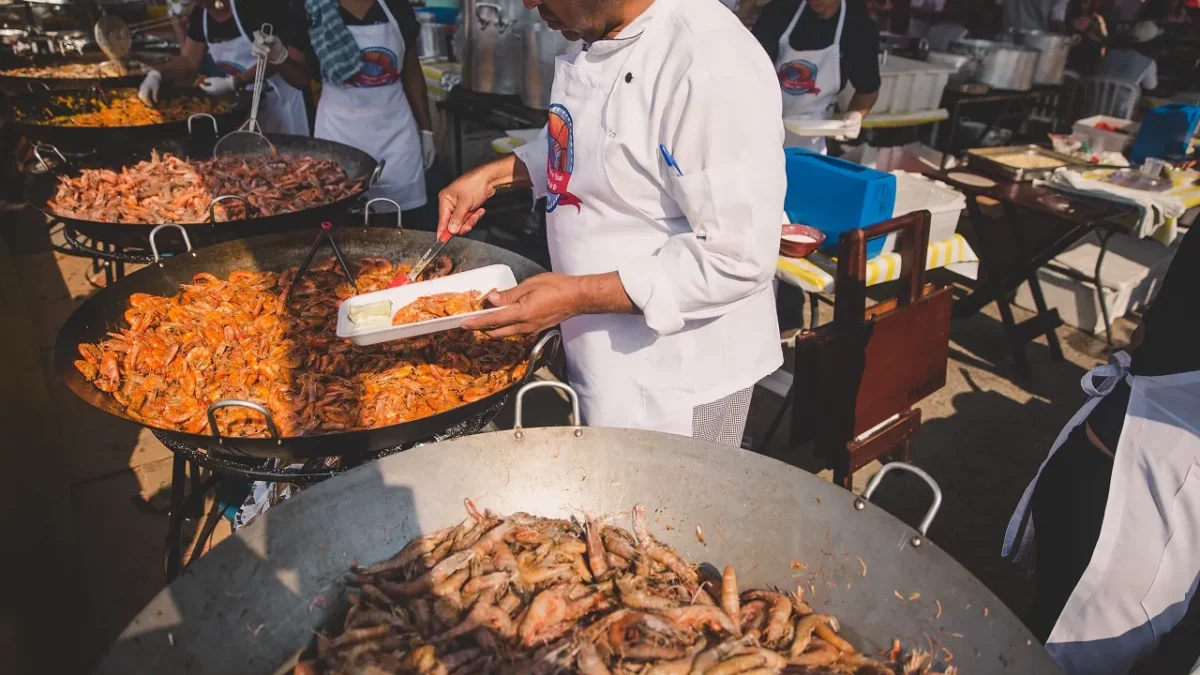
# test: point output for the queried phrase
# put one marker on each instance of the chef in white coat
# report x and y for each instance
(818, 46)
(1116, 506)
(662, 166)
(225, 31)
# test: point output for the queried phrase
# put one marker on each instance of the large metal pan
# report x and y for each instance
(104, 311)
(42, 185)
(15, 85)
(29, 113)
(248, 606)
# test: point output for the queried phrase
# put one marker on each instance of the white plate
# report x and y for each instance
(816, 127)
(499, 277)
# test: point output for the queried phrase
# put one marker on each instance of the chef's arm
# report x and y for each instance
(415, 89)
(460, 205)
(294, 70)
(187, 64)
(862, 103)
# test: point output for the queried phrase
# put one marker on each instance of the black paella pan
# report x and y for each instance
(105, 310)
(42, 185)
(30, 115)
(16, 85)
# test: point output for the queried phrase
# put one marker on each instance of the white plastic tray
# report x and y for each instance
(499, 277)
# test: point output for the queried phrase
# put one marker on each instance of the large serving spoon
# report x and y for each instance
(249, 138)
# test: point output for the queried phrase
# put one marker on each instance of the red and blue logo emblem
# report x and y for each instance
(560, 163)
(230, 68)
(799, 77)
(381, 67)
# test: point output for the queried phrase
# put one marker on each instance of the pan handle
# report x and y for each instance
(860, 503)
(376, 174)
(154, 244)
(212, 206)
(535, 355)
(30, 83)
(367, 211)
(37, 152)
(216, 129)
(518, 423)
(237, 403)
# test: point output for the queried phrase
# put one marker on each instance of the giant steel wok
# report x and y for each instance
(105, 310)
(16, 85)
(249, 606)
(42, 186)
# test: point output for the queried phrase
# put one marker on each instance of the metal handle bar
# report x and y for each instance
(535, 355)
(518, 423)
(376, 173)
(236, 403)
(860, 503)
(367, 211)
(212, 206)
(154, 244)
(29, 85)
(216, 129)
(37, 152)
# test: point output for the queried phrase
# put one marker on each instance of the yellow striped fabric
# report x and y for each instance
(816, 273)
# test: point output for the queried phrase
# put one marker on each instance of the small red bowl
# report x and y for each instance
(799, 241)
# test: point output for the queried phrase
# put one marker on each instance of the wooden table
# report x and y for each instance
(1075, 218)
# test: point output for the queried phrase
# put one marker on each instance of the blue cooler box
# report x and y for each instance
(1165, 132)
(834, 195)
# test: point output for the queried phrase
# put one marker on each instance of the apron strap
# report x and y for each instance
(837, 35)
(1110, 374)
(786, 39)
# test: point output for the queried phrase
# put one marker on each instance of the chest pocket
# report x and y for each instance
(632, 163)
(1178, 571)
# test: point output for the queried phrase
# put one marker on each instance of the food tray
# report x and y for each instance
(499, 277)
(983, 159)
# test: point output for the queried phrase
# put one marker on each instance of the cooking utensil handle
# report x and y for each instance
(518, 423)
(29, 85)
(375, 175)
(37, 152)
(367, 211)
(237, 403)
(535, 355)
(325, 235)
(216, 129)
(154, 244)
(212, 206)
(923, 528)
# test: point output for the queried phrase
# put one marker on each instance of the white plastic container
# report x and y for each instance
(914, 193)
(499, 277)
(1102, 139)
(905, 86)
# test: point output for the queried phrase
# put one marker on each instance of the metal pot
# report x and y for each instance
(964, 65)
(542, 46)
(1053, 49)
(431, 41)
(1002, 65)
(758, 514)
(493, 61)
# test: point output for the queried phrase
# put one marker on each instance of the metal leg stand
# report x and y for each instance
(1105, 236)
(175, 518)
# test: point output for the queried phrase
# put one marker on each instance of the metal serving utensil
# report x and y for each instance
(113, 38)
(249, 138)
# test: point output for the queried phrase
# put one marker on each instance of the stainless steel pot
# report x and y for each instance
(964, 65)
(1002, 65)
(493, 62)
(542, 46)
(757, 513)
(1053, 50)
(431, 41)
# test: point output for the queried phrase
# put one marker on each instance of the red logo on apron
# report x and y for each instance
(799, 77)
(561, 160)
(380, 68)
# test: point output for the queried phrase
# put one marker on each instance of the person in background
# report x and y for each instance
(1085, 18)
(1030, 14)
(373, 94)
(817, 46)
(1116, 506)
(1133, 62)
(223, 31)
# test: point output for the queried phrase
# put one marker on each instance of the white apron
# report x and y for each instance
(625, 375)
(809, 79)
(1146, 564)
(371, 112)
(282, 110)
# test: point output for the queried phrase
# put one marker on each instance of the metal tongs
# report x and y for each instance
(249, 137)
(419, 267)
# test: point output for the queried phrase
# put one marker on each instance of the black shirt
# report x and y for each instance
(860, 38)
(406, 18)
(252, 13)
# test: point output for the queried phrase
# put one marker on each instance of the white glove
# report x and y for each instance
(428, 152)
(148, 92)
(268, 47)
(218, 86)
(853, 126)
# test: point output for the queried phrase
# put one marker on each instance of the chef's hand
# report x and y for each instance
(148, 92)
(268, 47)
(428, 152)
(538, 303)
(459, 205)
(853, 126)
(218, 86)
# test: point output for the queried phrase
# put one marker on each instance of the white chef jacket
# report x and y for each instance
(710, 95)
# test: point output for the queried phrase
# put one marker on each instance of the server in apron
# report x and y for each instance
(1116, 506)
(223, 31)
(662, 223)
(818, 46)
(382, 106)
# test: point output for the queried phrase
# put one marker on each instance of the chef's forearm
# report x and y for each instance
(506, 172)
(294, 70)
(863, 103)
(187, 64)
(602, 294)
(416, 90)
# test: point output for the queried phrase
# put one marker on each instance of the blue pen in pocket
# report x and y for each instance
(670, 160)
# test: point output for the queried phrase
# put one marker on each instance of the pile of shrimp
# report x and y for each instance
(523, 594)
(233, 339)
(127, 110)
(169, 189)
(439, 305)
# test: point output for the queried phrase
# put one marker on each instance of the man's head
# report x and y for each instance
(826, 8)
(590, 20)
